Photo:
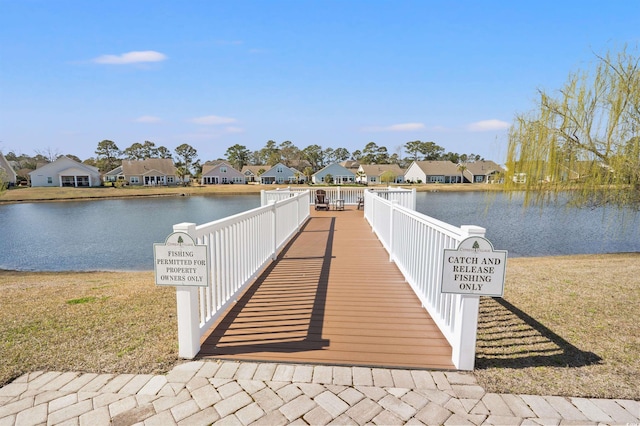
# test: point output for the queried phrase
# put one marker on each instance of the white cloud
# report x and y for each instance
(213, 120)
(148, 119)
(402, 127)
(487, 125)
(131, 58)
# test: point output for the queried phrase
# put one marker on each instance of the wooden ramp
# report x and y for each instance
(331, 297)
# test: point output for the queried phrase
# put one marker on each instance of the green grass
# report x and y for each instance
(566, 326)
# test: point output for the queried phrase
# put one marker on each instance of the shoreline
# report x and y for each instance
(53, 194)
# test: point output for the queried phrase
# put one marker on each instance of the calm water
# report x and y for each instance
(119, 234)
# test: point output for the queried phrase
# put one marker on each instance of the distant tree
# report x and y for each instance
(341, 154)
(414, 149)
(186, 156)
(48, 154)
(431, 151)
(255, 158)
(107, 155)
(369, 153)
(451, 156)
(4, 180)
(149, 150)
(237, 155)
(163, 152)
(73, 157)
(308, 172)
(585, 136)
(289, 153)
(314, 155)
(328, 156)
(462, 168)
(328, 178)
(388, 177)
(357, 155)
(270, 154)
(135, 152)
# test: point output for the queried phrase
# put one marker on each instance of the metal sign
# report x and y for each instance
(474, 268)
(181, 262)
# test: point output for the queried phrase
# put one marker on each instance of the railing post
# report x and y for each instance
(394, 205)
(188, 314)
(466, 330)
(274, 229)
(263, 197)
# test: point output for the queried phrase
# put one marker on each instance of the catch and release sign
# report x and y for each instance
(474, 268)
(181, 262)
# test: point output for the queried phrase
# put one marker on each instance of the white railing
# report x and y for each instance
(416, 244)
(240, 246)
(350, 195)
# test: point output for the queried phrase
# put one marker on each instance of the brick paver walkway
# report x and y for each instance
(245, 393)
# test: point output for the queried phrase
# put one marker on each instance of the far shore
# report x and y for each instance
(38, 194)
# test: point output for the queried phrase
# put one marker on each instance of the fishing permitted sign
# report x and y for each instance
(181, 262)
(474, 268)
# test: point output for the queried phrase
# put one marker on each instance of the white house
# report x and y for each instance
(253, 173)
(65, 172)
(220, 172)
(339, 175)
(280, 174)
(433, 172)
(373, 173)
(149, 172)
(10, 174)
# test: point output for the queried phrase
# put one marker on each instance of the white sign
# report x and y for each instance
(474, 268)
(180, 262)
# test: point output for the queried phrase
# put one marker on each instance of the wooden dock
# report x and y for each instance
(331, 297)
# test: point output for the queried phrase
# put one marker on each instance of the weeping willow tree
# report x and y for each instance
(583, 141)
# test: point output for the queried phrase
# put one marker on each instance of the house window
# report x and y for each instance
(279, 170)
(49, 180)
(170, 179)
(439, 179)
(479, 178)
(373, 179)
(134, 180)
(225, 180)
(223, 169)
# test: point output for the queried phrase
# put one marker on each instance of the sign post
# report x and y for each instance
(181, 262)
(474, 268)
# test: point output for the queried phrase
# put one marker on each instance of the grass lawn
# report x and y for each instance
(567, 326)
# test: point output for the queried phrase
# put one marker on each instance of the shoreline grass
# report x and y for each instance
(566, 327)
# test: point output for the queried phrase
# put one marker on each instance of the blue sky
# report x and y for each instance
(333, 73)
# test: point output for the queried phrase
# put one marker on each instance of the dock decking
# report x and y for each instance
(332, 297)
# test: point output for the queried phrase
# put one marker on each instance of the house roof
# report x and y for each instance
(140, 167)
(254, 169)
(210, 167)
(379, 169)
(335, 169)
(273, 171)
(438, 168)
(84, 168)
(350, 164)
(483, 167)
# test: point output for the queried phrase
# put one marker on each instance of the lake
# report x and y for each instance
(118, 234)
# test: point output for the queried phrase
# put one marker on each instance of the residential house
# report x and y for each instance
(350, 165)
(373, 174)
(6, 168)
(433, 172)
(149, 172)
(65, 172)
(280, 174)
(339, 175)
(220, 172)
(483, 172)
(252, 173)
